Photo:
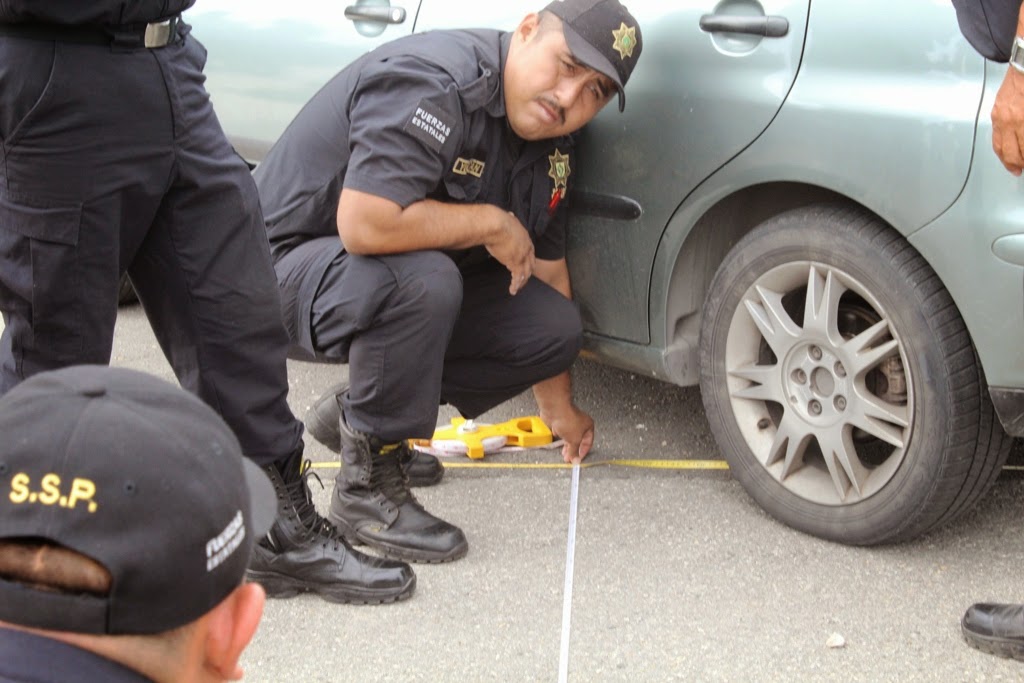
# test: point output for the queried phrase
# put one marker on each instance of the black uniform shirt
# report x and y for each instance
(28, 658)
(91, 12)
(420, 117)
(989, 25)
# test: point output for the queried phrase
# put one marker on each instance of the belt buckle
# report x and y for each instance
(159, 33)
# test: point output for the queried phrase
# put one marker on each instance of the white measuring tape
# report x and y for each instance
(570, 555)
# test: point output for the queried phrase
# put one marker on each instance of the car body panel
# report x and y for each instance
(989, 291)
(840, 125)
(444, 14)
(269, 58)
(732, 87)
(816, 145)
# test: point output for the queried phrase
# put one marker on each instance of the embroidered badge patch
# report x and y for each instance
(625, 40)
(559, 172)
(430, 124)
(469, 167)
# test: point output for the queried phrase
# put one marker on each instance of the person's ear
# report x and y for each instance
(230, 627)
(528, 28)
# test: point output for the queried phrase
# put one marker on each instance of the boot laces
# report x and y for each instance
(313, 524)
(388, 476)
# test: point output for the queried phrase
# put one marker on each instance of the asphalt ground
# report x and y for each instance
(678, 575)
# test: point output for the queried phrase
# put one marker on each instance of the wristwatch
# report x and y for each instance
(1017, 54)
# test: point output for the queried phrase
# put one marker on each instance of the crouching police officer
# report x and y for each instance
(442, 160)
(112, 160)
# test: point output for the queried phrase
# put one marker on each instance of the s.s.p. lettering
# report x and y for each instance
(51, 490)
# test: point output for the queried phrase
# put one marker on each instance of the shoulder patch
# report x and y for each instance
(430, 124)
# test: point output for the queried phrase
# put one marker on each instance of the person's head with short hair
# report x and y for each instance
(566, 63)
(127, 519)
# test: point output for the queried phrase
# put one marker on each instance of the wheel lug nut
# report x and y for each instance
(815, 408)
(815, 353)
(764, 423)
(840, 370)
(840, 403)
(800, 377)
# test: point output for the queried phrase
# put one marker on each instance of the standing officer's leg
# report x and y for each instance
(85, 158)
(390, 317)
(503, 344)
(205, 278)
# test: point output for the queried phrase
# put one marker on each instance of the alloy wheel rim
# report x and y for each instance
(818, 383)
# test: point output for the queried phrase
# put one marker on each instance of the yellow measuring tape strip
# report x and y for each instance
(644, 464)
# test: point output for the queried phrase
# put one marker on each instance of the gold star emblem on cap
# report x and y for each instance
(559, 170)
(625, 40)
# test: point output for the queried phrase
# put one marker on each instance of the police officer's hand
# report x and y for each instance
(574, 427)
(512, 246)
(1008, 122)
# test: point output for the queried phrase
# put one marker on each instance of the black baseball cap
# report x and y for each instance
(603, 35)
(138, 475)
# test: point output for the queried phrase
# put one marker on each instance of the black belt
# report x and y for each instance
(152, 35)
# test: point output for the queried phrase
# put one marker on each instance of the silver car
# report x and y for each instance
(799, 210)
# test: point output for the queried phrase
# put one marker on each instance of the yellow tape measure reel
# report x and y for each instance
(465, 437)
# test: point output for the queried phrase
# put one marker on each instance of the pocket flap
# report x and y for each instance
(462, 188)
(47, 223)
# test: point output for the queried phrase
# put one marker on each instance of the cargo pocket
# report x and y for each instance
(39, 273)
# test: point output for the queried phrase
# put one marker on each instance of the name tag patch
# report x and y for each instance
(469, 167)
(430, 124)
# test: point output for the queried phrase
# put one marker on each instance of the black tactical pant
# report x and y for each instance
(416, 331)
(112, 159)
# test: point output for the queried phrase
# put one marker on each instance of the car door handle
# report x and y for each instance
(769, 27)
(384, 15)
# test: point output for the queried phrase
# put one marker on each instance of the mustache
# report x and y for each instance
(559, 111)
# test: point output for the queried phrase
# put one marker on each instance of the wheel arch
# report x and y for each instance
(677, 306)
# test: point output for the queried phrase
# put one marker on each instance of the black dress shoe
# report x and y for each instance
(995, 629)
(322, 420)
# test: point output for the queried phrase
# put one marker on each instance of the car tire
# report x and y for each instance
(865, 421)
(126, 292)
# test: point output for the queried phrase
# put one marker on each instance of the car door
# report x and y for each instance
(708, 83)
(266, 58)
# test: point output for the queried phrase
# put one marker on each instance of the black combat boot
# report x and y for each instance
(372, 504)
(322, 421)
(302, 552)
(995, 628)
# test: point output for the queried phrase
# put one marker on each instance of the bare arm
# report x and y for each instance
(554, 274)
(554, 395)
(369, 224)
(1008, 116)
(575, 427)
